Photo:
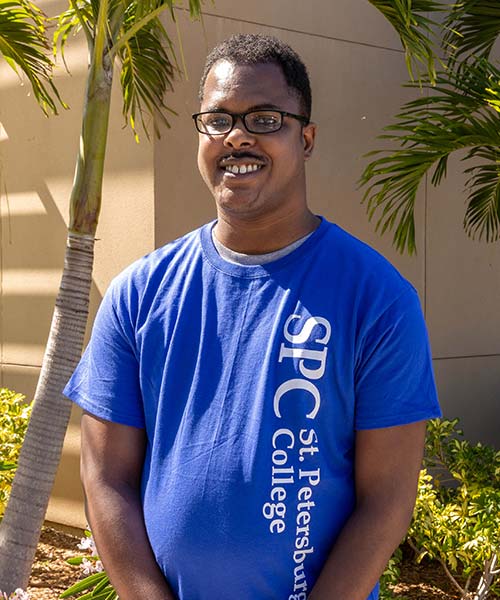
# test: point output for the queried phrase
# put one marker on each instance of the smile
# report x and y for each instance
(242, 169)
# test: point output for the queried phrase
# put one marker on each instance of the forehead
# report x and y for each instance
(240, 87)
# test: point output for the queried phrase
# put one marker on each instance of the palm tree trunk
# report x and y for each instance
(41, 451)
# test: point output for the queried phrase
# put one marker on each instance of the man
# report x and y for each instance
(255, 393)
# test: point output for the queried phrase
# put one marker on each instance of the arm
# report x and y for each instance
(387, 464)
(111, 466)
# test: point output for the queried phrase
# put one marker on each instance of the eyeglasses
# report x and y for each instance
(255, 121)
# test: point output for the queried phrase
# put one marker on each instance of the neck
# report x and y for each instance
(264, 235)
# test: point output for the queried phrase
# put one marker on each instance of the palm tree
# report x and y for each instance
(460, 112)
(127, 32)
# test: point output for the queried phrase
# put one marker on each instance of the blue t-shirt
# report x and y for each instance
(251, 382)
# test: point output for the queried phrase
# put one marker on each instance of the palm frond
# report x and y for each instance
(146, 7)
(148, 70)
(83, 15)
(79, 16)
(149, 64)
(492, 95)
(25, 47)
(458, 94)
(471, 29)
(427, 131)
(195, 9)
(397, 178)
(482, 217)
(416, 31)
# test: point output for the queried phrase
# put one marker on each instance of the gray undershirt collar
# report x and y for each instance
(239, 258)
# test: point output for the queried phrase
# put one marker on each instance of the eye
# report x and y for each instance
(216, 121)
(265, 120)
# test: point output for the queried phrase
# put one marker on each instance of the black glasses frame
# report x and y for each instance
(242, 116)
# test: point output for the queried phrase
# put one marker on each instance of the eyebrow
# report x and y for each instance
(264, 106)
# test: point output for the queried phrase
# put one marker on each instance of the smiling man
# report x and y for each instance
(255, 393)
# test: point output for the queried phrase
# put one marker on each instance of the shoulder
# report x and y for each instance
(370, 282)
(356, 254)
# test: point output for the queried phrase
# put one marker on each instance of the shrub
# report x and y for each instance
(456, 521)
(457, 513)
(14, 417)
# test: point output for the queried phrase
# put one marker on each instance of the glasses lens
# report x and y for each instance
(214, 123)
(263, 121)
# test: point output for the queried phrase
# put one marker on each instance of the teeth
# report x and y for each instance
(237, 170)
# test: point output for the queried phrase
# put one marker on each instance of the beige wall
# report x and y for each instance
(153, 193)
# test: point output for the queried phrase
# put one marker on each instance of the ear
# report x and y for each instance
(308, 137)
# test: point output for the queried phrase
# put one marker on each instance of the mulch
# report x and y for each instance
(51, 574)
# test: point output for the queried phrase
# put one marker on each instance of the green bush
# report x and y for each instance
(14, 417)
(457, 514)
(456, 521)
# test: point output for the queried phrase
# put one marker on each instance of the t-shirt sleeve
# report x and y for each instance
(394, 379)
(106, 382)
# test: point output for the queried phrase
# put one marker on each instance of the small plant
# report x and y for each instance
(14, 417)
(96, 585)
(457, 513)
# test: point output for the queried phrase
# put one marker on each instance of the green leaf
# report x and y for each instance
(84, 584)
(7, 466)
(101, 586)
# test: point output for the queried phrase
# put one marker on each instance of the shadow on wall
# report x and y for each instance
(33, 236)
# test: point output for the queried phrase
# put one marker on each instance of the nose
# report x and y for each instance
(239, 136)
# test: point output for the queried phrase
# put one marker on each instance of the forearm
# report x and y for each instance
(116, 520)
(361, 552)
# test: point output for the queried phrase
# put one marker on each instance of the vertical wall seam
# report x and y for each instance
(426, 237)
(426, 183)
(155, 195)
(426, 199)
(1, 273)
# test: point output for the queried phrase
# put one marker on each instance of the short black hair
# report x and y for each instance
(252, 49)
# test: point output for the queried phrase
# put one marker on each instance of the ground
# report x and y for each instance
(51, 574)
